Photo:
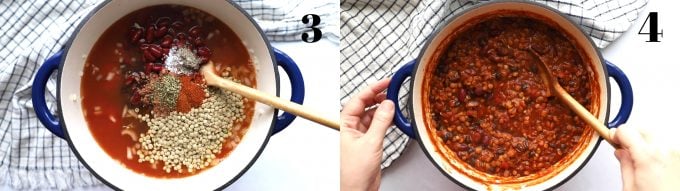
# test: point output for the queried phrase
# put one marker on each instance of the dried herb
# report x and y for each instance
(165, 92)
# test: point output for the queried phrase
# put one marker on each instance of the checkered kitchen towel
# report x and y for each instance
(377, 37)
(30, 31)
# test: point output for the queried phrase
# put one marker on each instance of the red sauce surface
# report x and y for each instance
(104, 97)
(486, 104)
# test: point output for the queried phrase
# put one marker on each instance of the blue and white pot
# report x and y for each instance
(71, 125)
(415, 128)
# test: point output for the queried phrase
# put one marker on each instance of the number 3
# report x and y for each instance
(316, 20)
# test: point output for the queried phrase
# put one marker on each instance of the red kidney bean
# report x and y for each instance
(156, 67)
(178, 25)
(163, 21)
(156, 50)
(161, 31)
(136, 99)
(195, 31)
(199, 41)
(461, 147)
(485, 140)
(476, 137)
(505, 165)
(479, 91)
(190, 42)
(461, 95)
(150, 32)
(160, 35)
(171, 32)
(152, 67)
(181, 39)
(204, 51)
(148, 67)
(135, 34)
(181, 36)
(181, 42)
(156, 46)
(167, 41)
(148, 56)
(144, 47)
(203, 59)
(129, 80)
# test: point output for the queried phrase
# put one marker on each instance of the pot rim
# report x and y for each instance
(441, 26)
(59, 99)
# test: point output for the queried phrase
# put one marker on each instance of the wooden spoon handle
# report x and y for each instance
(273, 101)
(584, 114)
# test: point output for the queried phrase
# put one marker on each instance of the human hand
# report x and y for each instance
(361, 138)
(646, 166)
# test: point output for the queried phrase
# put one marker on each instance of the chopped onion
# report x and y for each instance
(134, 150)
(130, 133)
(125, 110)
(129, 153)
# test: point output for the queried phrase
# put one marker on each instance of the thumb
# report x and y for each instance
(381, 119)
(630, 139)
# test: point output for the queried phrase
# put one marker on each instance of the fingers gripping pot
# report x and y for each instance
(477, 171)
(71, 124)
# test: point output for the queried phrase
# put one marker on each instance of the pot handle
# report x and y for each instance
(297, 85)
(43, 113)
(626, 95)
(393, 94)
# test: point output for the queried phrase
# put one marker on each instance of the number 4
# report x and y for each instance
(653, 33)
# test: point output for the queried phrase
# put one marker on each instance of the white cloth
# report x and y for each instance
(30, 31)
(377, 37)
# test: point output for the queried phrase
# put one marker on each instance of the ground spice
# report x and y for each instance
(182, 60)
(192, 93)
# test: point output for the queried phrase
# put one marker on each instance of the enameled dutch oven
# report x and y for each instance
(415, 70)
(71, 126)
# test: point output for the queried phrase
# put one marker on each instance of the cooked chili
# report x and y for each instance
(488, 105)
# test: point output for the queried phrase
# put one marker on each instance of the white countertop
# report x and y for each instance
(652, 69)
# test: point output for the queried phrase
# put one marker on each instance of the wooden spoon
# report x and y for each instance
(213, 79)
(555, 89)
